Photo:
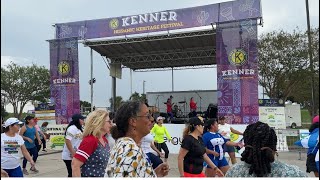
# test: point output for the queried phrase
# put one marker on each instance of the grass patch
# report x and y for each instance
(305, 116)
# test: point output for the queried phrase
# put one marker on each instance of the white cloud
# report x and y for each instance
(5, 60)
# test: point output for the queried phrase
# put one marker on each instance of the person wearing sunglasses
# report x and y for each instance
(127, 158)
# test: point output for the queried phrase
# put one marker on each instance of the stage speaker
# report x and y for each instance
(212, 111)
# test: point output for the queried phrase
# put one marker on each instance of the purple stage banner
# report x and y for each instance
(161, 21)
(64, 70)
(237, 71)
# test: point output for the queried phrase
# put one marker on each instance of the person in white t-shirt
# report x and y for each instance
(73, 138)
(148, 147)
(225, 130)
(11, 146)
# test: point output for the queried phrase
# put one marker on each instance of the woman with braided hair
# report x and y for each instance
(258, 157)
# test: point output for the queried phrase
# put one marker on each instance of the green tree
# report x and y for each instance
(119, 100)
(303, 93)
(20, 84)
(4, 113)
(282, 62)
(137, 97)
(85, 104)
(284, 67)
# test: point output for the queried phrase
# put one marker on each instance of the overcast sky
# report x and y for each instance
(26, 25)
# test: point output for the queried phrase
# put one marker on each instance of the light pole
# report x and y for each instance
(143, 87)
(311, 60)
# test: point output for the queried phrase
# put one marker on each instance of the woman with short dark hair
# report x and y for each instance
(127, 158)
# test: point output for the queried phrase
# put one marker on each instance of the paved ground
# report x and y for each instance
(50, 164)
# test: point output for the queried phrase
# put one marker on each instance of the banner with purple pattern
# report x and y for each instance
(237, 71)
(161, 21)
(64, 70)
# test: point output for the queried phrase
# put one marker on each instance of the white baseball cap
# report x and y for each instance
(11, 121)
(160, 118)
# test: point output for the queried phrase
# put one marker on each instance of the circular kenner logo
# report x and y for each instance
(63, 68)
(114, 23)
(237, 57)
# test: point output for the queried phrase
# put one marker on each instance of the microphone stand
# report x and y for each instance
(200, 99)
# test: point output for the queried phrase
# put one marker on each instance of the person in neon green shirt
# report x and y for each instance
(159, 131)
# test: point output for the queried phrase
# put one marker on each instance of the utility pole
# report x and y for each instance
(143, 87)
(91, 80)
(311, 61)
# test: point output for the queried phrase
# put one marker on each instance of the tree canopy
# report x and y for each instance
(284, 66)
(20, 84)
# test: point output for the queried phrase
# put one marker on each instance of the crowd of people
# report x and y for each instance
(130, 143)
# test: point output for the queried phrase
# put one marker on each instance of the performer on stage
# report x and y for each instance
(169, 107)
(193, 107)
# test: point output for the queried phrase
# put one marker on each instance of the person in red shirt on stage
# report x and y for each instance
(169, 107)
(193, 107)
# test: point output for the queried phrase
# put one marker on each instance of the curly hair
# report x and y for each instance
(126, 111)
(261, 143)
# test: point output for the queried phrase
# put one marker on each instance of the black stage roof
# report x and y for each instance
(186, 49)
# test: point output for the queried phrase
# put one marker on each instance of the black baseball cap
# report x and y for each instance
(196, 121)
(77, 117)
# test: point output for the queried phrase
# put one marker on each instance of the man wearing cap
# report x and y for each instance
(29, 133)
(11, 144)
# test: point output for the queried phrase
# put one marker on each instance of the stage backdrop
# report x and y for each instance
(64, 70)
(237, 71)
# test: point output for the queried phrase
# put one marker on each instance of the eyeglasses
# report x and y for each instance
(149, 116)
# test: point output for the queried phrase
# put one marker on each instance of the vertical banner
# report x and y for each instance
(64, 71)
(237, 71)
